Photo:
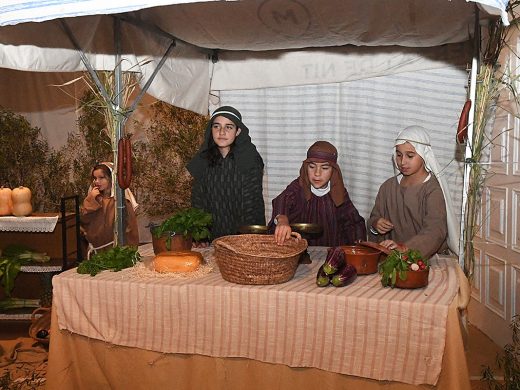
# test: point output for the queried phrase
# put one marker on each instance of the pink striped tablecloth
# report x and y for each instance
(362, 329)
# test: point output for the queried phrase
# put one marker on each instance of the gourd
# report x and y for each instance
(21, 197)
(182, 261)
(6, 203)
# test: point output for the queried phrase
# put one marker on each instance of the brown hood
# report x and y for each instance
(320, 152)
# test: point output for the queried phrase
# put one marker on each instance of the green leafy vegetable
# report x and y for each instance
(114, 259)
(22, 252)
(16, 303)
(11, 261)
(189, 222)
(399, 263)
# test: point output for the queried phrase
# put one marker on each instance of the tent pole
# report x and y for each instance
(152, 76)
(87, 63)
(115, 108)
(471, 117)
(120, 215)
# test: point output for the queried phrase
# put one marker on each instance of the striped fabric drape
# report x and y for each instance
(362, 329)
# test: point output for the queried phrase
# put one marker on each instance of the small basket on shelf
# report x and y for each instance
(40, 326)
(257, 258)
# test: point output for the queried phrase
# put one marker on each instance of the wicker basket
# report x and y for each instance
(42, 322)
(257, 259)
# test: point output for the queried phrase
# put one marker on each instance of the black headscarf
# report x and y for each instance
(244, 152)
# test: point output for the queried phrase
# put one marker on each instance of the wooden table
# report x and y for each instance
(123, 330)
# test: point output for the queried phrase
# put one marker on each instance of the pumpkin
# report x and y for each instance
(183, 261)
(6, 203)
(21, 197)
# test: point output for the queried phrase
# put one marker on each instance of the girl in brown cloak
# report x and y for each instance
(97, 211)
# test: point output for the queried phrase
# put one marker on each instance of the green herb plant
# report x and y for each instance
(508, 361)
(400, 263)
(114, 259)
(11, 260)
(191, 222)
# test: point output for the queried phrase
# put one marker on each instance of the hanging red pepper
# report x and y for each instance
(124, 162)
(462, 129)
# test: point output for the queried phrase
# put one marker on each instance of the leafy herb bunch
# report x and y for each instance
(400, 263)
(114, 259)
(509, 361)
(191, 222)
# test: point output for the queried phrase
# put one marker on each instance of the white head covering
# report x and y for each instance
(420, 140)
(128, 194)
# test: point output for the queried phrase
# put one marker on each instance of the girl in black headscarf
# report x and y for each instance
(227, 174)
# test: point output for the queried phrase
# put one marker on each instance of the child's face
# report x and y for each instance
(101, 181)
(319, 174)
(408, 160)
(224, 132)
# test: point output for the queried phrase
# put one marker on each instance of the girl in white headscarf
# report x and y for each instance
(97, 211)
(413, 210)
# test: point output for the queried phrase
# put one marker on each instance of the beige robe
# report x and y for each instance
(97, 221)
(418, 214)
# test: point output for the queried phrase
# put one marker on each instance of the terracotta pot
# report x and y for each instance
(414, 279)
(177, 243)
(364, 259)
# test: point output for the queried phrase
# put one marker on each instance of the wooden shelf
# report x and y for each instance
(51, 243)
(21, 314)
(62, 245)
(54, 265)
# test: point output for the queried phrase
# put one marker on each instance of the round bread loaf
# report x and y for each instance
(182, 261)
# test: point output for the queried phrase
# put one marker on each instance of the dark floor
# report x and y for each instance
(480, 350)
(14, 329)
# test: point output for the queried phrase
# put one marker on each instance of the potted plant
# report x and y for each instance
(178, 231)
(404, 269)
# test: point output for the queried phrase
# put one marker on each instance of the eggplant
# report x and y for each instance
(345, 276)
(322, 279)
(335, 260)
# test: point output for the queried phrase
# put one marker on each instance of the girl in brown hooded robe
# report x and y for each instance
(318, 196)
(97, 212)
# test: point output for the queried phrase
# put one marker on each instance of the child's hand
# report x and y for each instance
(391, 244)
(283, 231)
(94, 194)
(383, 226)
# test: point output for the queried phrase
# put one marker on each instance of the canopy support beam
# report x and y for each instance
(119, 119)
(475, 64)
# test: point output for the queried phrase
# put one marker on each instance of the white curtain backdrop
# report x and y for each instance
(361, 118)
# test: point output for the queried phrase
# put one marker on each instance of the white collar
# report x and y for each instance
(321, 191)
(400, 176)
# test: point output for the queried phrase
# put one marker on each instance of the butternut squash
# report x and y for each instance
(182, 261)
(21, 197)
(6, 203)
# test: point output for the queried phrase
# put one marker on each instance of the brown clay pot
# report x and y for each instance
(364, 259)
(177, 243)
(414, 279)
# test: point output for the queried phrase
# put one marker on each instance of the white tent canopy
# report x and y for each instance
(259, 44)
(368, 68)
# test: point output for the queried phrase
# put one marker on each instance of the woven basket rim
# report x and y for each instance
(39, 323)
(301, 245)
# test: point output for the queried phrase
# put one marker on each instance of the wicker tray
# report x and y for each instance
(42, 322)
(257, 259)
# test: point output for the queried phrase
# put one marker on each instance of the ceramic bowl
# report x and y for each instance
(414, 279)
(363, 258)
